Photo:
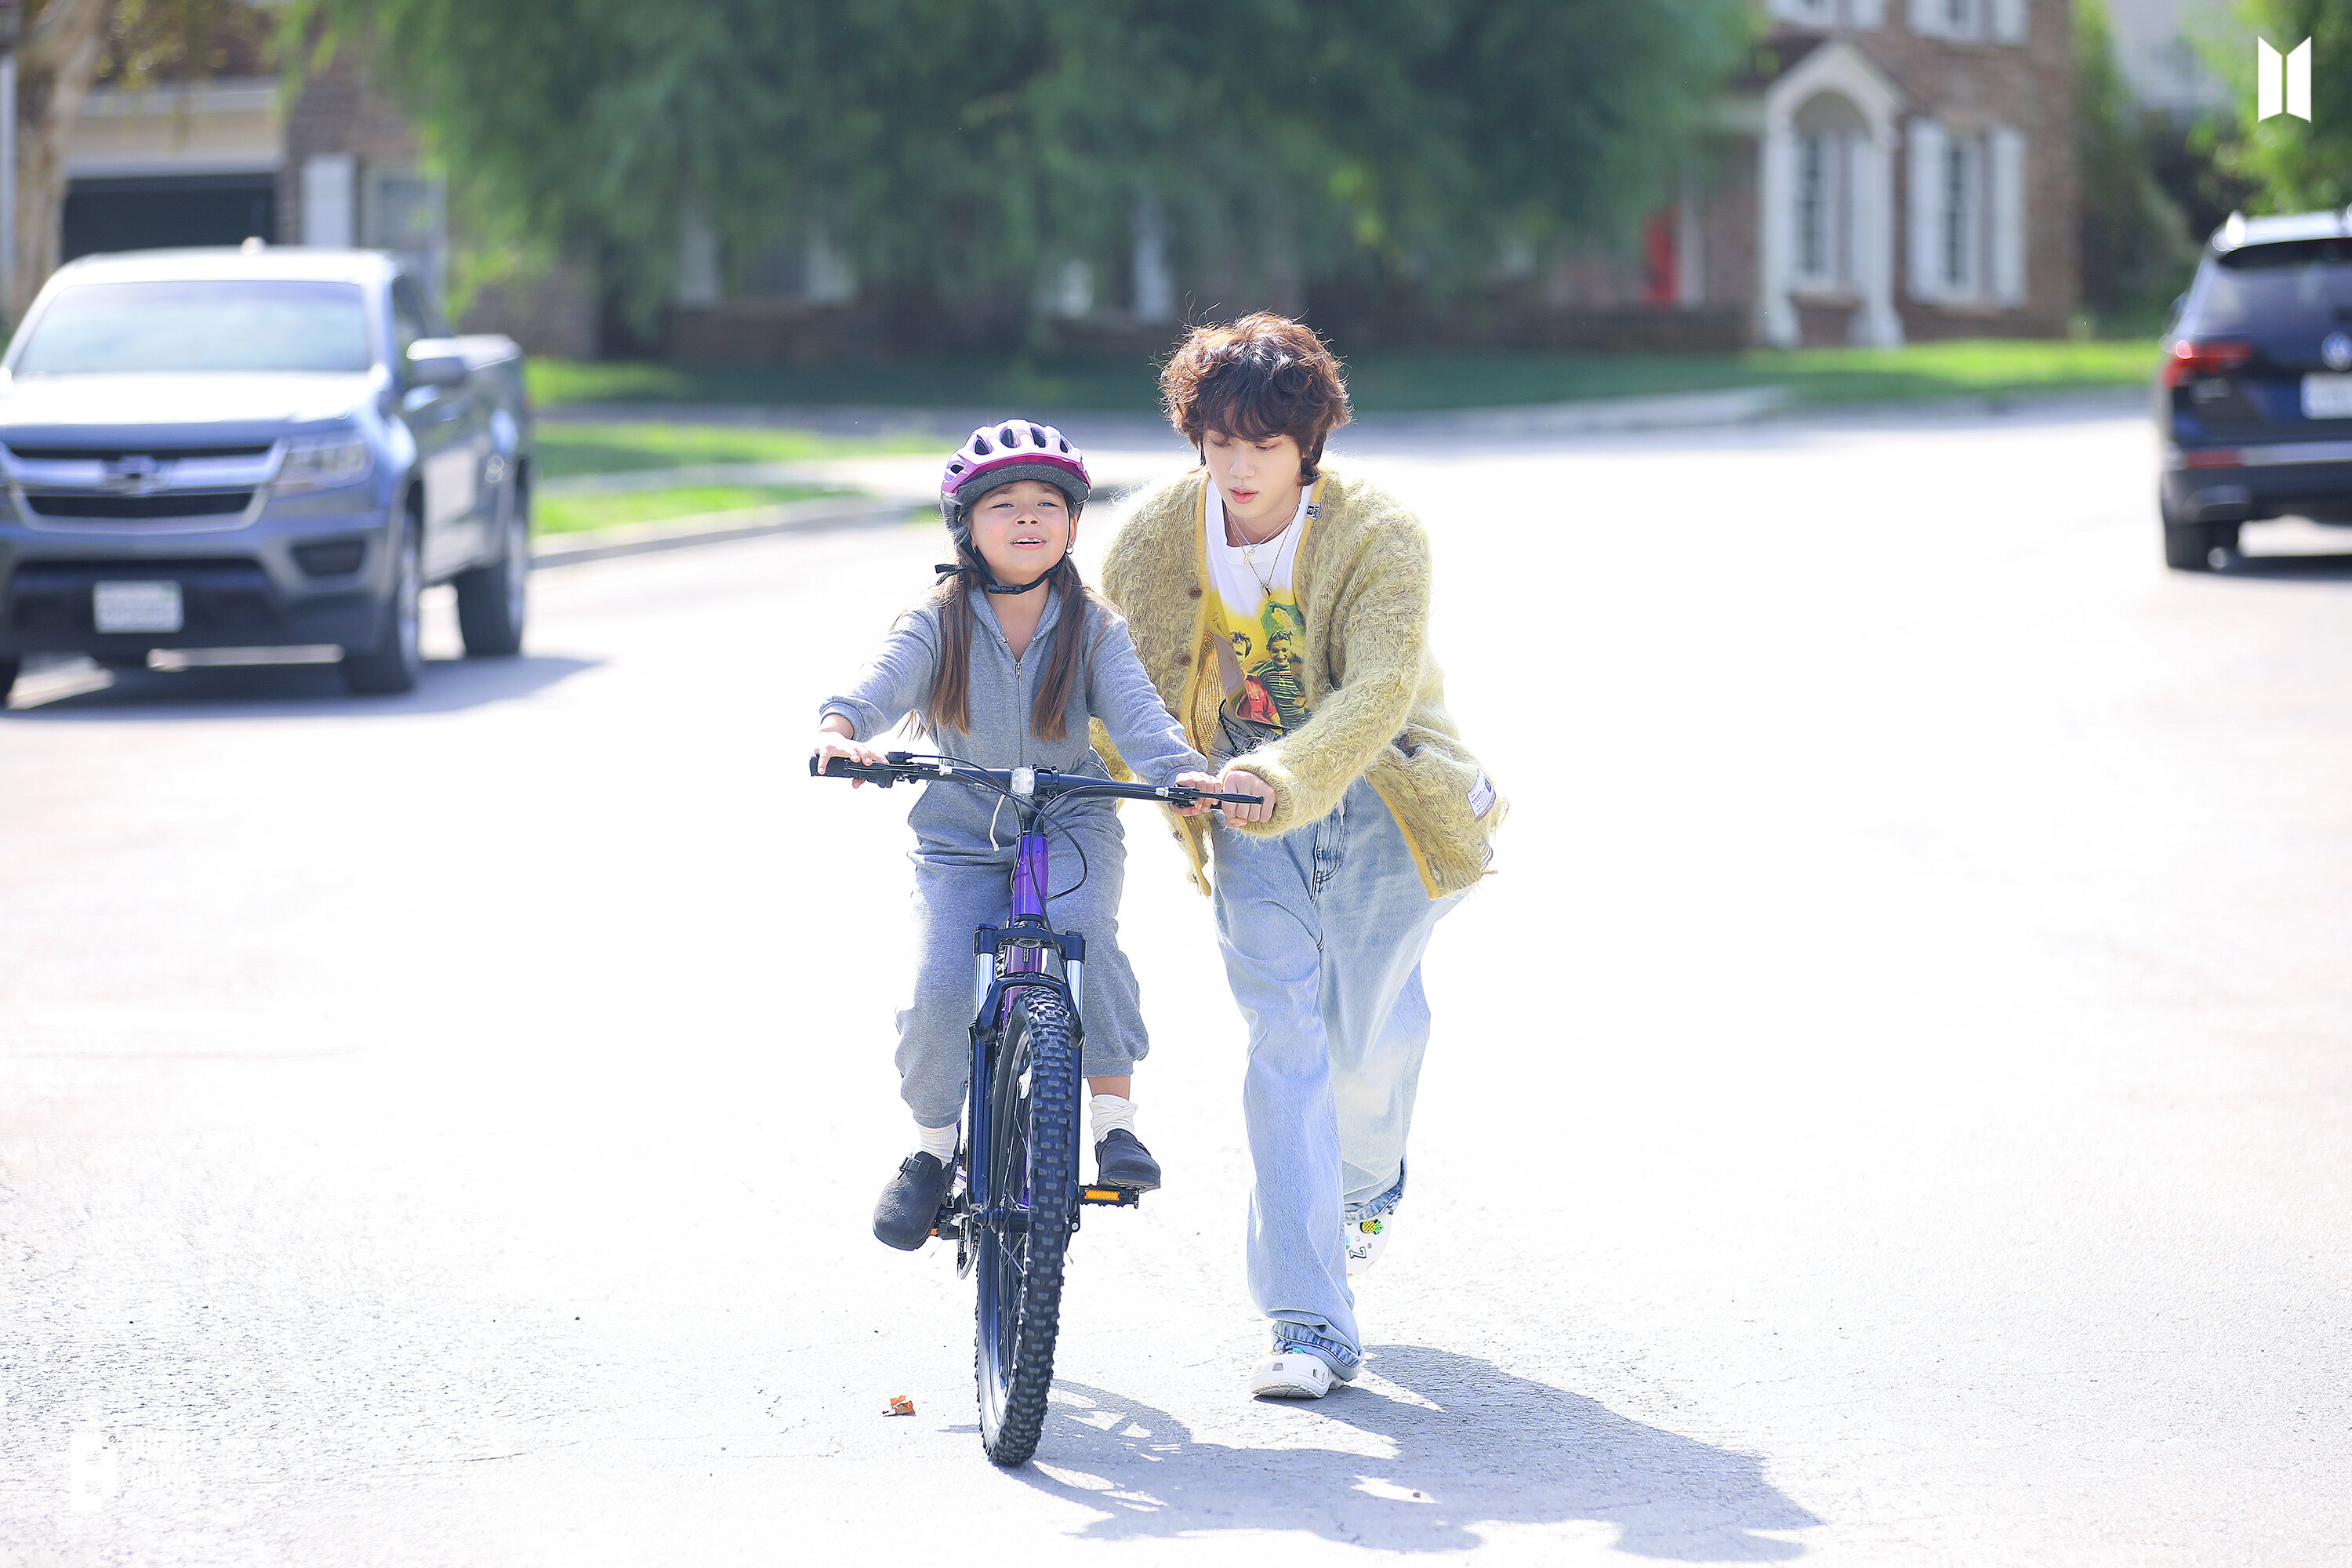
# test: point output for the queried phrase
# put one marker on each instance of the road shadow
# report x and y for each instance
(1471, 1446)
(298, 691)
(2335, 568)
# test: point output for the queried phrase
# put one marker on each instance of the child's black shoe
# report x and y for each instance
(1122, 1161)
(910, 1205)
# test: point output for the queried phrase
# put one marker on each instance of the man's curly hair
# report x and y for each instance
(1262, 376)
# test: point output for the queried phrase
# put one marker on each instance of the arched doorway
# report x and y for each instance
(1826, 234)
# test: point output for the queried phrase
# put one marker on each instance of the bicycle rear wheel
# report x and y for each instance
(1025, 1236)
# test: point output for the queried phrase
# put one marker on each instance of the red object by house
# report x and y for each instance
(1661, 261)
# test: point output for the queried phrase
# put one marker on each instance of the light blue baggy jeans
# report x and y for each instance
(1322, 930)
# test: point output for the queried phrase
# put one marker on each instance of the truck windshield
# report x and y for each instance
(2294, 282)
(209, 324)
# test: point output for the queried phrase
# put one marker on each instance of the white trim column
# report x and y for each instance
(1877, 324)
(1776, 240)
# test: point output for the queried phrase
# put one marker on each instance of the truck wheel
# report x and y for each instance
(493, 600)
(9, 668)
(392, 667)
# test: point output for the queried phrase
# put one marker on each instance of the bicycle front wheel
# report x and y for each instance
(1025, 1235)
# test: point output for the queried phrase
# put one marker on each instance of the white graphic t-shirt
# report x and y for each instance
(1254, 607)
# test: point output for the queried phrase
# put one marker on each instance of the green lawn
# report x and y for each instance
(1381, 383)
(569, 514)
(566, 449)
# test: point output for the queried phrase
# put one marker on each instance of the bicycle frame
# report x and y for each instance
(1007, 960)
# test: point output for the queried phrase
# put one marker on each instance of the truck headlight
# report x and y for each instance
(322, 464)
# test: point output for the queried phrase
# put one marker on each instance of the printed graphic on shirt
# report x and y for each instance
(1254, 607)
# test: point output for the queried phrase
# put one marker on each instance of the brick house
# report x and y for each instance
(1890, 171)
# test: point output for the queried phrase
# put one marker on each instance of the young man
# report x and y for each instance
(1376, 817)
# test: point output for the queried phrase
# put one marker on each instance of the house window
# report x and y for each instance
(1829, 144)
(1957, 217)
(1813, 206)
(1828, 12)
(1967, 214)
(1824, 205)
(2005, 21)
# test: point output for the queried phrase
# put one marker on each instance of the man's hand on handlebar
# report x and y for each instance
(1241, 780)
(834, 739)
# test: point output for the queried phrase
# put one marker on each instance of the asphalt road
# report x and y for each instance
(1890, 1107)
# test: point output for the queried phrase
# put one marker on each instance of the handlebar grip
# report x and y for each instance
(1183, 795)
(843, 768)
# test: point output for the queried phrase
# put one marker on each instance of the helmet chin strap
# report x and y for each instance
(978, 567)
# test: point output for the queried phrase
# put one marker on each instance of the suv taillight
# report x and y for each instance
(2191, 360)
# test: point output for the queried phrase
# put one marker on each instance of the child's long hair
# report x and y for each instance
(948, 707)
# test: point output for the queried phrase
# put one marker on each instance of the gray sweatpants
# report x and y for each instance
(956, 889)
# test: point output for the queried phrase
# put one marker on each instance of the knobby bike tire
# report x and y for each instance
(1033, 1130)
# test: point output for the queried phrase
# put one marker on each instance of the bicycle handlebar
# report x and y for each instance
(1044, 783)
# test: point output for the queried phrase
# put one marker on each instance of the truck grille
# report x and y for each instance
(116, 454)
(138, 489)
(134, 508)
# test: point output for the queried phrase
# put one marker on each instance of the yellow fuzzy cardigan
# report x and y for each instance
(1377, 698)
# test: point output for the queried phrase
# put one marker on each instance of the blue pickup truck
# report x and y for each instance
(256, 447)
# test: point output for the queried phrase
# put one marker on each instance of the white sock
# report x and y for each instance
(1111, 1110)
(939, 1142)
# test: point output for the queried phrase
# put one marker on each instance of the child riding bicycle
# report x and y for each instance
(1007, 663)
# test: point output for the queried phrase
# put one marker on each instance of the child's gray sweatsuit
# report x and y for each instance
(964, 850)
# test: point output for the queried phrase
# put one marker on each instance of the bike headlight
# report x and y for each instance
(321, 464)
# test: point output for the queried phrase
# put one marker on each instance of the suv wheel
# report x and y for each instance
(2197, 546)
(394, 665)
(492, 600)
(9, 668)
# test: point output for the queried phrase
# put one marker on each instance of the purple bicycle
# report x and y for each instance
(1017, 1198)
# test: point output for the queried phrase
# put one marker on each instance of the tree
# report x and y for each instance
(962, 150)
(2291, 164)
(57, 56)
(58, 51)
(2135, 249)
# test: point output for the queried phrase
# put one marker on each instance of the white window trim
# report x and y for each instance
(1995, 21)
(1986, 233)
(1924, 150)
(1859, 14)
(2007, 211)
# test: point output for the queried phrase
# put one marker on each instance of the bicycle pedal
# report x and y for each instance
(1116, 1198)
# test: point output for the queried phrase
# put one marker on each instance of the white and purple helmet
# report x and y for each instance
(1015, 449)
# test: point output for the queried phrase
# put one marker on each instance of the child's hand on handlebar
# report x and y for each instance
(1193, 780)
(1241, 780)
(833, 742)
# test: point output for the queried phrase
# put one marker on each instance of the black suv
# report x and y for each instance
(2254, 395)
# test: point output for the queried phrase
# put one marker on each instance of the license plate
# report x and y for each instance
(2326, 397)
(136, 607)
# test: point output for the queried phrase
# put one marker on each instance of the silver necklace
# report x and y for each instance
(1249, 558)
